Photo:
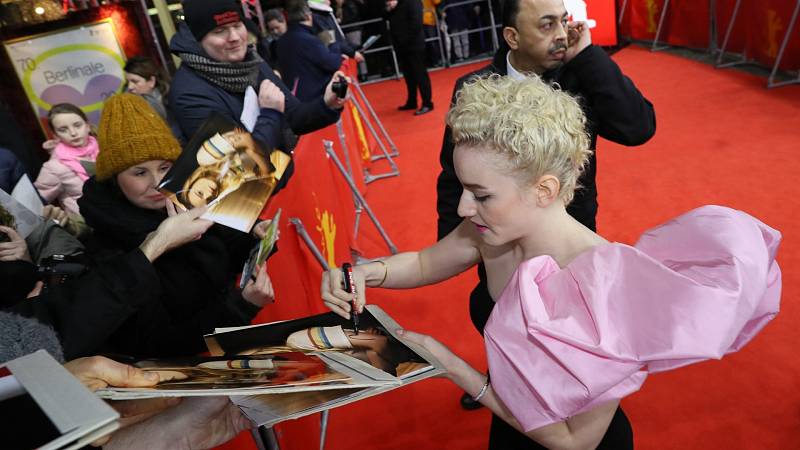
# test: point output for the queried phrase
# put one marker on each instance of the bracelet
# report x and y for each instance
(385, 272)
(482, 391)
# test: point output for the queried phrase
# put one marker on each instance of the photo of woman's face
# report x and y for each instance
(203, 191)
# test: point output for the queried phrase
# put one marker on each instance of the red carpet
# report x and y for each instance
(722, 138)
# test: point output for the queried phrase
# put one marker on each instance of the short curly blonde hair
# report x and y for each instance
(541, 130)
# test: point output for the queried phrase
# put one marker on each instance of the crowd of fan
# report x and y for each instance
(114, 269)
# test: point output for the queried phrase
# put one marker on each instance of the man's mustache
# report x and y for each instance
(558, 46)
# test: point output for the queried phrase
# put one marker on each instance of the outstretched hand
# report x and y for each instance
(330, 97)
(259, 291)
(15, 249)
(56, 214)
(441, 352)
(196, 423)
(336, 298)
(176, 230)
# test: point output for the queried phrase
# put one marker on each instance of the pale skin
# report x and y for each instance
(158, 423)
(70, 129)
(228, 43)
(507, 220)
(140, 85)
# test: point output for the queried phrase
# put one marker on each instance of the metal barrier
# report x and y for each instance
(440, 38)
(493, 27)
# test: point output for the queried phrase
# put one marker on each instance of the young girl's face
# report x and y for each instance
(71, 129)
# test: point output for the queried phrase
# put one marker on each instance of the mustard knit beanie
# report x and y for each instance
(132, 132)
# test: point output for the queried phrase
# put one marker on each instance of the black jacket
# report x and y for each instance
(305, 62)
(405, 21)
(194, 285)
(614, 109)
(192, 100)
(125, 304)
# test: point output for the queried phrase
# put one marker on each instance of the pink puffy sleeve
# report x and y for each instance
(562, 341)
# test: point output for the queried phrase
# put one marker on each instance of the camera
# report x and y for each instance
(339, 87)
(57, 269)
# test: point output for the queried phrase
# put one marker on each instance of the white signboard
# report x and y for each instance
(81, 65)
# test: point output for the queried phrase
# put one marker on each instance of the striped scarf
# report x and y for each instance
(234, 77)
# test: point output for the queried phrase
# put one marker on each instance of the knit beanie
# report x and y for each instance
(202, 16)
(132, 132)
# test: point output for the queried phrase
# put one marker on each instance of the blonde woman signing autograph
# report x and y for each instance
(578, 322)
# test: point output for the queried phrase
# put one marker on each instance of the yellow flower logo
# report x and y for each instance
(327, 230)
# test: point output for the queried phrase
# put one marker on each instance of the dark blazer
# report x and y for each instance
(405, 21)
(305, 62)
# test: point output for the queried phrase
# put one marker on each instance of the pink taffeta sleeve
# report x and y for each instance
(563, 341)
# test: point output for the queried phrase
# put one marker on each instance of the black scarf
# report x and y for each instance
(121, 226)
(234, 77)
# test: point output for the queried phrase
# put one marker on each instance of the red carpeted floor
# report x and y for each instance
(722, 138)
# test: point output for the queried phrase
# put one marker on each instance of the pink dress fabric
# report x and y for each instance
(563, 341)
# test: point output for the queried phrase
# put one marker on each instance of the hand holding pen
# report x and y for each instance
(350, 286)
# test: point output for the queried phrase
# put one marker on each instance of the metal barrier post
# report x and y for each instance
(771, 82)
(301, 231)
(368, 177)
(332, 154)
(343, 142)
(721, 54)
(622, 12)
(265, 438)
(495, 44)
(655, 46)
(374, 116)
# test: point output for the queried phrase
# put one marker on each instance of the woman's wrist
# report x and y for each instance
(375, 273)
(151, 246)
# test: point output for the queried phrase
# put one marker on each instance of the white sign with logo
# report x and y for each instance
(81, 65)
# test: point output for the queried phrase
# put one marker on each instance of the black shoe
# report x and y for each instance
(423, 110)
(407, 107)
(468, 403)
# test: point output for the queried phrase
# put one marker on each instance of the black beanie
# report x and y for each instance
(202, 16)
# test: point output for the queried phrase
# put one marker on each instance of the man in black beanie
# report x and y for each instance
(219, 66)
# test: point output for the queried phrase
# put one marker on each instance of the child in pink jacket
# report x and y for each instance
(61, 179)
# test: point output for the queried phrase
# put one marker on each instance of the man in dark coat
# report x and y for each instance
(305, 63)
(326, 28)
(540, 42)
(408, 38)
(218, 67)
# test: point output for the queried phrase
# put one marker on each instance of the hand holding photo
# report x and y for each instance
(224, 168)
(259, 253)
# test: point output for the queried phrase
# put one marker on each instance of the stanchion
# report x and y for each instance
(369, 177)
(345, 149)
(394, 153)
(771, 82)
(719, 64)
(265, 438)
(301, 231)
(332, 154)
(655, 46)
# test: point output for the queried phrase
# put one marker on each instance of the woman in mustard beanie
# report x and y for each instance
(185, 265)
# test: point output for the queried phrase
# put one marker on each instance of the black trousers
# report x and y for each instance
(412, 63)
